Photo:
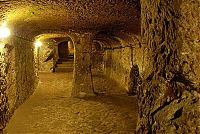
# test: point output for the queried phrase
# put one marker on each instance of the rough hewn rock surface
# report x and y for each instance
(4, 105)
(26, 79)
(169, 94)
(82, 81)
(18, 77)
(39, 16)
(122, 52)
(161, 67)
(44, 52)
(10, 76)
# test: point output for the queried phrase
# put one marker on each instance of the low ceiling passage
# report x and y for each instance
(40, 16)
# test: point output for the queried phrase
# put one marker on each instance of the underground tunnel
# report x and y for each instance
(99, 66)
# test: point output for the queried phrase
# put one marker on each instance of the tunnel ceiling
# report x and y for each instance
(39, 16)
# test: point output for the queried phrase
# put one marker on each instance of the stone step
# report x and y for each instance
(64, 65)
(70, 56)
(59, 69)
(62, 61)
(67, 58)
(66, 62)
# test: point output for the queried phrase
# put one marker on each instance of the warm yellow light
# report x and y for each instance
(38, 44)
(4, 31)
(4, 24)
(1, 46)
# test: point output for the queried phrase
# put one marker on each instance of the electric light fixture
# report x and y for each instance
(38, 44)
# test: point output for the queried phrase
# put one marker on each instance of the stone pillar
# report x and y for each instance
(82, 81)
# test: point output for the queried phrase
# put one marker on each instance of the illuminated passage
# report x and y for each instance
(81, 66)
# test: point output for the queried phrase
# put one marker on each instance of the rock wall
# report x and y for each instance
(17, 76)
(26, 79)
(44, 53)
(5, 62)
(119, 63)
(189, 33)
(82, 77)
(97, 55)
(11, 76)
(169, 94)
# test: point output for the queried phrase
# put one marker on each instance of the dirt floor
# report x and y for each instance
(51, 110)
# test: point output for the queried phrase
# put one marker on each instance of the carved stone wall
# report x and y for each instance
(44, 52)
(17, 76)
(119, 61)
(26, 80)
(5, 104)
(169, 94)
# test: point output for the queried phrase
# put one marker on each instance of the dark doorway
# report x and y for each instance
(63, 50)
(65, 60)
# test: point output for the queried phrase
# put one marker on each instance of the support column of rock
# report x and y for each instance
(82, 81)
(168, 98)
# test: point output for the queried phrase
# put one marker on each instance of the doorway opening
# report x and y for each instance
(64, 59)
(63, 50)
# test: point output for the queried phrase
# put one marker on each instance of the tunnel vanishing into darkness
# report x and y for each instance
(149, 49)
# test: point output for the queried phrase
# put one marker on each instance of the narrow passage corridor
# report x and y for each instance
(51, 110)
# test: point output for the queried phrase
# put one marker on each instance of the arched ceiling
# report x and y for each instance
(116, 39)
(34, 17)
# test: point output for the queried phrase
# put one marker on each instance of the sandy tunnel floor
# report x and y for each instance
(51, 110)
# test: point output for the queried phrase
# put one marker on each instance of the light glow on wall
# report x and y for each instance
(2, 45)
(4, 31)
(38, 44)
